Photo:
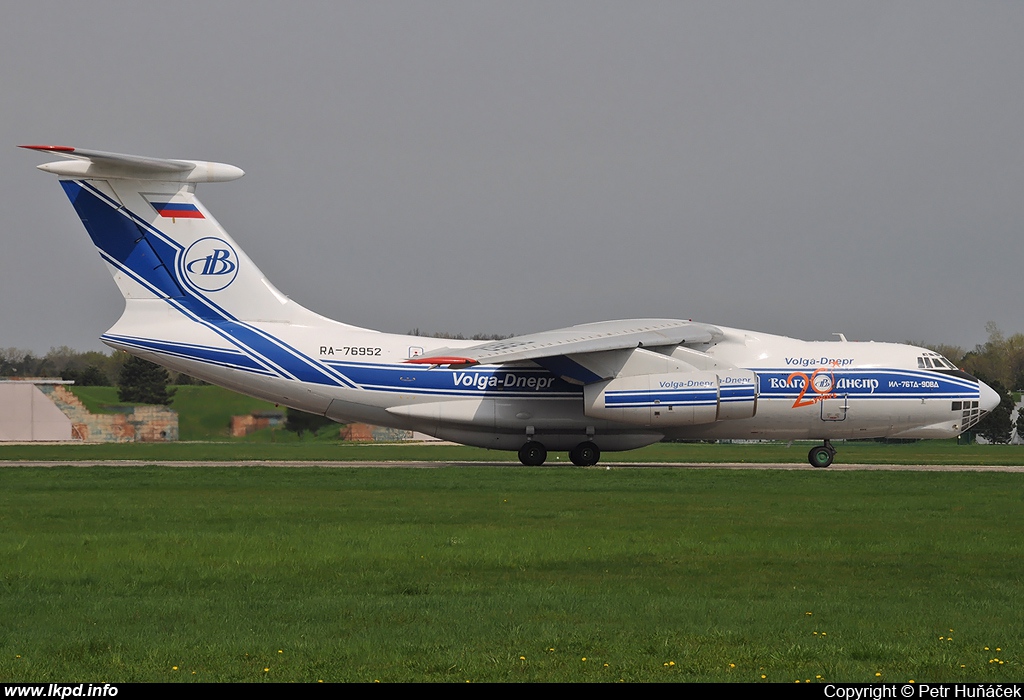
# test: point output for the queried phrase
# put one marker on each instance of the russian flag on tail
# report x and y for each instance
(177, 210)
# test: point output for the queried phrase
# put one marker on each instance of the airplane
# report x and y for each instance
(195, 303)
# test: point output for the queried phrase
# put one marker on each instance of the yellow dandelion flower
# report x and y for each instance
(665, 664)
(606, 665)
(671, 663)
(877, 675)
(807, 613)
(174, 668)
(584, 658)
(998, 649)
(819, 677)
(763, 676)
(911, 680)
(266, 670)
(522, 658)
(280, 651)
(732, 665)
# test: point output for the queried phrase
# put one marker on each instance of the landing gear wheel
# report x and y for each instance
(533, 454)
(821, 456)
(585, 454)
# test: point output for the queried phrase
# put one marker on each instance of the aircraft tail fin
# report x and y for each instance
(160, 242)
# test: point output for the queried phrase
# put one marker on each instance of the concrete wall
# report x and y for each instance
(243, 425)
(136, 424)
(26, 415)
(363, 432)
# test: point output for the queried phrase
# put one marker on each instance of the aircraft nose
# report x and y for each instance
(988, 398)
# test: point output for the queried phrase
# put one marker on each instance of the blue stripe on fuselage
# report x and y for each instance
(220, 357)
(474, 381)
(875, 383)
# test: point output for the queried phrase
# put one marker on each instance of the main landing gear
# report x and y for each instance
(822, 455)
(533, 454)
(585, 454)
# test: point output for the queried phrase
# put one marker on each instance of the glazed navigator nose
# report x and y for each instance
(988, 399)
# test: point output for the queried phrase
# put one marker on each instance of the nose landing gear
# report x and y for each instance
(822, 455)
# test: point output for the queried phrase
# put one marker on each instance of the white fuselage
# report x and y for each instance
(812, 390)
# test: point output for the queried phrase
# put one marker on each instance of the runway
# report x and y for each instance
(292, 464)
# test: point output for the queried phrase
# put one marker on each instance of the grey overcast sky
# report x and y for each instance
(791, 167)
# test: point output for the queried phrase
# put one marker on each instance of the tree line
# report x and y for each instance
(137, 380)
(999, 359)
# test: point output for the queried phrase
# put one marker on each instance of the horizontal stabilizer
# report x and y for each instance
(100, 165)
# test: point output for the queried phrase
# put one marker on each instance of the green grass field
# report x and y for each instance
(454, 574)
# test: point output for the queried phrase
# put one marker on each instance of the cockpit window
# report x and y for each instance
(934, 361)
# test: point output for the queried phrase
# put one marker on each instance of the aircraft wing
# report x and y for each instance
(578, 340)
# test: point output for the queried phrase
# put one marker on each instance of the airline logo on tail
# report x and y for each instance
(211, 264)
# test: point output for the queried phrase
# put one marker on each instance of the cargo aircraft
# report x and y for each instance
(195, 303)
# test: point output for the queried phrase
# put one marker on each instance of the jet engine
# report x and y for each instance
(674, 399)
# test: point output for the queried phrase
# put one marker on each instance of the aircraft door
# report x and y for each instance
(834, 408)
